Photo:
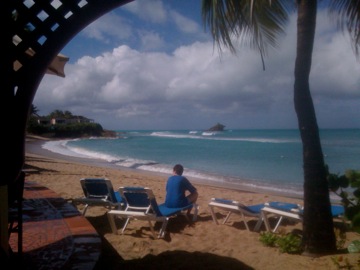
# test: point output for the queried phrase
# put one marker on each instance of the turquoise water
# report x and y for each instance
(264, 160)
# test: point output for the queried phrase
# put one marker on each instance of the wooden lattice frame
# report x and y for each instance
(45, 26)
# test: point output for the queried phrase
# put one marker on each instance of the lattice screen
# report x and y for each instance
(35, 22)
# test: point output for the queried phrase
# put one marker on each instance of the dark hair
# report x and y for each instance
(179, 169)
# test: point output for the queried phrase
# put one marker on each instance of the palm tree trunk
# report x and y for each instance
(318, 230)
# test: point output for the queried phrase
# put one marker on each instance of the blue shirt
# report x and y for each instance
(176, 187)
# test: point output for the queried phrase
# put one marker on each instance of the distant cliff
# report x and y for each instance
(217, 127)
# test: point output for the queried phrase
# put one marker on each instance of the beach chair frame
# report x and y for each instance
(295, 213)
(99, 192)
(141, 205)
(255, 211)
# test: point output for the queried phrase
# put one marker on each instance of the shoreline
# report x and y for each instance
(34, 147)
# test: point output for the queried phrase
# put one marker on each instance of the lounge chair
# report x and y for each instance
(295, 213)
(235, 207)
(99, 192)
(141, 205)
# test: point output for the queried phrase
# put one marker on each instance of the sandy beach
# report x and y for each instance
(199, 245)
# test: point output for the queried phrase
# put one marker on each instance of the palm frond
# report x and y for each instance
(256, 23)
(214, 16)
(347, 15)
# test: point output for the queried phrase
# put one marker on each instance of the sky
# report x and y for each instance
(151, 64)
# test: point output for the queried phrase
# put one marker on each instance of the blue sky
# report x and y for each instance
(150, 65)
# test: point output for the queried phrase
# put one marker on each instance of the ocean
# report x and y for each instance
(268, 161)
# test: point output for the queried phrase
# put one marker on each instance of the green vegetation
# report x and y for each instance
(340, 238)
(341, 262)
(70, 126)
(291, 243)
(347, 187)
(287, 243)
(268, 239)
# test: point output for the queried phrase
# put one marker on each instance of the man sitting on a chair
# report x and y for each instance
(176, 188)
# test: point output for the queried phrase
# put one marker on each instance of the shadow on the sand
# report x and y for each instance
(175, 260)
(176, 225)
(185, 260)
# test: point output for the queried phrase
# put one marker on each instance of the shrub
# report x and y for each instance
(347, 187)
(268, 239)
(287, 243)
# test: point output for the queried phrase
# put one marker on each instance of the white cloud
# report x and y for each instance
(193, 87)
(151, 41)
(183, 23)
(148, 10)
(109, 26)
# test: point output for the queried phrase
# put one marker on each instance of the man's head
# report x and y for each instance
(178, 169)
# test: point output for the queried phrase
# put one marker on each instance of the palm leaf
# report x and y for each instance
(347, 15)
(256, 23)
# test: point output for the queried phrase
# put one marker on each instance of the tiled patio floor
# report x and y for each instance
(55, 234)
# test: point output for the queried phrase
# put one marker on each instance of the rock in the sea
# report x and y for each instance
(217, 127)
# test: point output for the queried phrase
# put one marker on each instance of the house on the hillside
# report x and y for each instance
(57, 121)
(43, 121)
